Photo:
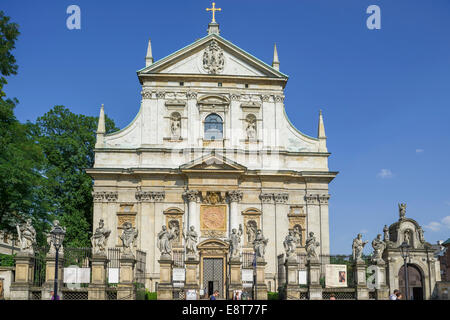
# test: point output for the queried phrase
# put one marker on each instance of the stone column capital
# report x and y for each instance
(191, 95)
(160, 94)
(323, 198)
(150, 196)
(235, 97)
(266, 197)
(105, 196)
(281, 197)
(146, 94)
(312, 198)
(265, 98)
(235, 195)
(278, 98)
(191, 195)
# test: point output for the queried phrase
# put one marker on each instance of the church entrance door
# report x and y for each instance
(415, 282)
(213, 275)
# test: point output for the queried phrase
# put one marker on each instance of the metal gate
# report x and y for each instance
(213, 275)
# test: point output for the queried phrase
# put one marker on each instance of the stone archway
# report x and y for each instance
(213, 266)
(415, 282)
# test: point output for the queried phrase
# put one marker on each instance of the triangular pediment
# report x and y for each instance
(212, 55)
(213, 162)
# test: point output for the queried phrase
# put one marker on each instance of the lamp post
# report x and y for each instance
(404, 247)
(57, 235)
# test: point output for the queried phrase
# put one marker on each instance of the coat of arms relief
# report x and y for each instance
(213, 58)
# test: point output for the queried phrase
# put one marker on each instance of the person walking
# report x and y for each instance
(399, 296)
(332, 297)
(54, 297)
(394, 295)
(214, 295)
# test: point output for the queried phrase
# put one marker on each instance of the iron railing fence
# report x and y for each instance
(178, 258)
(247, 259)
(40, 254)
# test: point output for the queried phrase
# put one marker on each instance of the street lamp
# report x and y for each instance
(404, 248)
(57, 235)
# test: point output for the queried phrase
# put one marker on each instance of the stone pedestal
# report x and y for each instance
(292, 286)
(20, 288)
(165, 287)
(235, 276)
(49, 284)
(192, 282)
(97, 287)
(125, 288)
(382, 290)
(315, 288)
(362, 291)
(260, 286)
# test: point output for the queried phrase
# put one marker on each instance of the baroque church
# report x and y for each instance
(212, 147)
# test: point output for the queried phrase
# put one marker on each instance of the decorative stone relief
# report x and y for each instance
(265, 98)
(146, 94)
(235, 196)
(266, 197)
(281, 197)
(323, 198)
(160, 95)
(279, 98)
(149, 196)
(191, 95)
(213, 234)
(213, 58)
(235, 97)
(311, 198)
(191, 195)
(104, 196)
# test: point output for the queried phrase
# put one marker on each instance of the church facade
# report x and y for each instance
(212, 147)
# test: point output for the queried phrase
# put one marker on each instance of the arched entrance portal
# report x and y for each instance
(213, 266)
(415, 282)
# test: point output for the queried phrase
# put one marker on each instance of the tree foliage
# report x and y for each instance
(67, 141)
(20, 157)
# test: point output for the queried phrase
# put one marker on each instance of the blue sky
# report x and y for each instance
(385, 94)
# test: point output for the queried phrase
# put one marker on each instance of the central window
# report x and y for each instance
(213, 127)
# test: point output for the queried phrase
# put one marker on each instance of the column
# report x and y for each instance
(49, 283)
(281, 223)
(260, 286)
(313, 218)
(324, 230)
(97, 287)
(235, 276)
(193, 118)
(234, 197)
(292, 286)
(125, 288)
(165, 285)
(362, 292)
(315, 289)
(23, 280)
(269, 224)
(382, 290)
(193, 217)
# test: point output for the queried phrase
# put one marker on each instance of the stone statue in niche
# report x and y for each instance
(174, 227)
(27, 236)
(175, 126)
(378, 246)
(421, 236)
(251, 127)
(298, 235)
(251, 231)
(128, 237)
(407, 237)
(357, 248)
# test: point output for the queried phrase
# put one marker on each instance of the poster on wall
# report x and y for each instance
(178, 274)
(191, 295)
(113, 275)
(247, 275)
(335, 275)
(302, 279)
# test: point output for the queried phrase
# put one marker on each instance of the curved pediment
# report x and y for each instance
(213, 162)
(216, 100)
(213, 244)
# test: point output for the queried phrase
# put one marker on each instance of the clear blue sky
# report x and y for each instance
(385, 93)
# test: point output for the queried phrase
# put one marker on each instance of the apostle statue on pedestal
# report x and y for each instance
(259, 245)
(191, 238)
(27, 236)
(357, 248)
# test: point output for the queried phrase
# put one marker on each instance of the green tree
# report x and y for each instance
(20, 157)
(68, 141)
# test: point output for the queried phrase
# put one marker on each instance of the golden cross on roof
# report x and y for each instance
(213, 9)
